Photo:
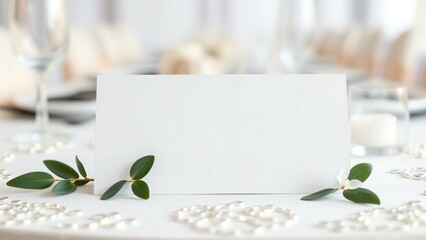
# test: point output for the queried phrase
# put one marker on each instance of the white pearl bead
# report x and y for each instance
(9, 223)
(228, 219)
(93, 225)
(131, 222)
(75, 226)
(105, 221)
(98, 217)
(27, 221)
(114, 215)
(120, 224)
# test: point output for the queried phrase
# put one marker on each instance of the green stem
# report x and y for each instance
(76, 179)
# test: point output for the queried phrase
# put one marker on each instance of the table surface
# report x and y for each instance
(155, 215)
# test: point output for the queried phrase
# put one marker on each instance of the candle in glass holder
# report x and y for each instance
(374, 130)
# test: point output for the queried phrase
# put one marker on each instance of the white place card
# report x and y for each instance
(223, 134)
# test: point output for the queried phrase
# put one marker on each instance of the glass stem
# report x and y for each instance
(42, 114)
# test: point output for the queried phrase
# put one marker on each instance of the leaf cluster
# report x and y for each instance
(360, 172)
(138, 171)
(70, 178)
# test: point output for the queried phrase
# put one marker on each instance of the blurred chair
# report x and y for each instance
(14, 77)
(118, 43)
(368, 52)
(342, 52)
(331, 45)
(84, 57)
(109, 45)
(399, 61)
(423, 76)
(350, 46)
(131, 47)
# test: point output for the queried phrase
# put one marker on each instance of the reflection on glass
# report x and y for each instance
(294, 36)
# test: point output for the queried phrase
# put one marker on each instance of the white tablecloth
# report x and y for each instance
(155, 215)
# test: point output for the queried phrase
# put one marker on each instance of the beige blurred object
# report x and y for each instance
(207, 53)
(84, 56)
(108, 43)
(423, 78)
(131, 47)
(118, 43)
(322, 44)
(232, 53)
(399, 62)
(14, 77)
(190, 58)
(368, 59)
(331, 44)
(350, 46)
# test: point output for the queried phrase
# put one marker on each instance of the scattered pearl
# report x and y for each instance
(416, 173)
(120, 224)
(45, 148)
(7, 157)
(235, 219)
(131, 222)
(407, 216)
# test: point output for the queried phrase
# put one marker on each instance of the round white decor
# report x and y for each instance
(235, 218)
(17, 212)
(417, 173)
(405, 217)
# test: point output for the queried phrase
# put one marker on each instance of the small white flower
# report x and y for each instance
(345, 183)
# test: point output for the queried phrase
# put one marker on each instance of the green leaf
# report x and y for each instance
(32, 180)
(140, 189)
(61, 169)
(80, 167)
(360, 171)
(141, 167)
(64, 187)
(114, 189)
(319, 194)
(361, 195)
(81, 182)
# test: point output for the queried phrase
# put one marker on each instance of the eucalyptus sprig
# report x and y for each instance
(68, 183)
(138, 171)
(350, 181)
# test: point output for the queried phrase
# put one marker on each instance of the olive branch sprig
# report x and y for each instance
(68, 183)
(70, 179)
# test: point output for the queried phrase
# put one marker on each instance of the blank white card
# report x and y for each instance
(222, 134)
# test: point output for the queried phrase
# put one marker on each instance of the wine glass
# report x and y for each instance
(39, 35)
(294, 36)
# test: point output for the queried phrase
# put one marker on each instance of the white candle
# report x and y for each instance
(374, 130)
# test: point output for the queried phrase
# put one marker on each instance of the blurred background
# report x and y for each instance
(366, 39)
